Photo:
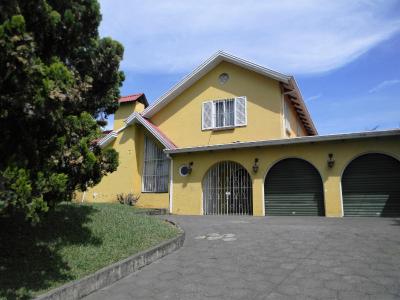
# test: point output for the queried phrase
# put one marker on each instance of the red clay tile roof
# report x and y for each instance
(165, 138)
(130, 98)
(141, 97)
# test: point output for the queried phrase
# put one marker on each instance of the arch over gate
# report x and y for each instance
(293, 186)
(371, 186)
(227, 190)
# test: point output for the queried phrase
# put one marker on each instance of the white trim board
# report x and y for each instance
(104, 141)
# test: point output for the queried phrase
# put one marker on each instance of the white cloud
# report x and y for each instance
(384, 85)
(303, 36)
(315, 97)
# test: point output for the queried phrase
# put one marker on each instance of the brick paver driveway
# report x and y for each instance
(273, 258)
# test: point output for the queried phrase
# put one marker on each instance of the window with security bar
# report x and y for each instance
(155, 169)
(224, 113)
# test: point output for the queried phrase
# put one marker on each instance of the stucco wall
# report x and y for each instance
(187, 191)
(127, 178)
(124, 111)
(296, 127)
(180, 120)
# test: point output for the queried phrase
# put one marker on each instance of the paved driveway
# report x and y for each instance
(273, 258)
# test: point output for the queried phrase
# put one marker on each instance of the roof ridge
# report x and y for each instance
(202, 69)
(136, 94)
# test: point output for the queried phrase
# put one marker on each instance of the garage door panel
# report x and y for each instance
(371, 186)
(293, 187)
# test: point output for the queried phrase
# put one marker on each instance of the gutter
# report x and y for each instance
(289, 141)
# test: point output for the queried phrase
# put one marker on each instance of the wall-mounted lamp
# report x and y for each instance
(331, 160)
(255, 165)
(186, 169)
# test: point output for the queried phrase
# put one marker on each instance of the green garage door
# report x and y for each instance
(293, 187)
(371, 186)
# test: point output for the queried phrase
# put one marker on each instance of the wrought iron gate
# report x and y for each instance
(227, 190)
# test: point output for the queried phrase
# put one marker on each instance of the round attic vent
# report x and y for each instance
(223, 78)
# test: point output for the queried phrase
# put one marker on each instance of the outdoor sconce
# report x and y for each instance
(255, 166)
(331, 160)
(185, 170)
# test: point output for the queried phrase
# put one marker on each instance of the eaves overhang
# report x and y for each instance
(107, 139)
(288, 141)
(291, 89)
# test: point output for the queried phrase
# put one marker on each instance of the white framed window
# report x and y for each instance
(155, 168)
(224, 113)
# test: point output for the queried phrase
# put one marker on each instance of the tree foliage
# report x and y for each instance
(56, 77)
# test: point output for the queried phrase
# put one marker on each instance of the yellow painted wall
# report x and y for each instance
(180, 120)
(127, 178)
(187, 191)
(296, 127)
(124, 111)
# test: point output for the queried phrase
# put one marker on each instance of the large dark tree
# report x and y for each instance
(56, 77)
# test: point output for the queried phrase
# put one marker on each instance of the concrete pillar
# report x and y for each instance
(333, 196)
(258, 196)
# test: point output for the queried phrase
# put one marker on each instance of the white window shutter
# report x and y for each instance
(207, 115)
(240, 111)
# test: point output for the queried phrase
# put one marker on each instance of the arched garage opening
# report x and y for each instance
(227, 190)
(293, 187)
(371, 186)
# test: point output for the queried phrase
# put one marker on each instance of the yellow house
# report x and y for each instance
(236, 138)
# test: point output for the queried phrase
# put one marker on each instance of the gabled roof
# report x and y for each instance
(203, 69)
(157, 133)
(138, 119)
(162, 137)
(134, 97)
(287, 80)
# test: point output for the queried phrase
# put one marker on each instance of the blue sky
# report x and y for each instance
(344, 54)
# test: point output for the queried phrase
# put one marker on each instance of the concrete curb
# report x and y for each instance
(112, 273)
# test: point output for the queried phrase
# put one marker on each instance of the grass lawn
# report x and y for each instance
(73, 241)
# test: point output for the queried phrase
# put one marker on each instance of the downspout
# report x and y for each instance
(171, 181)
